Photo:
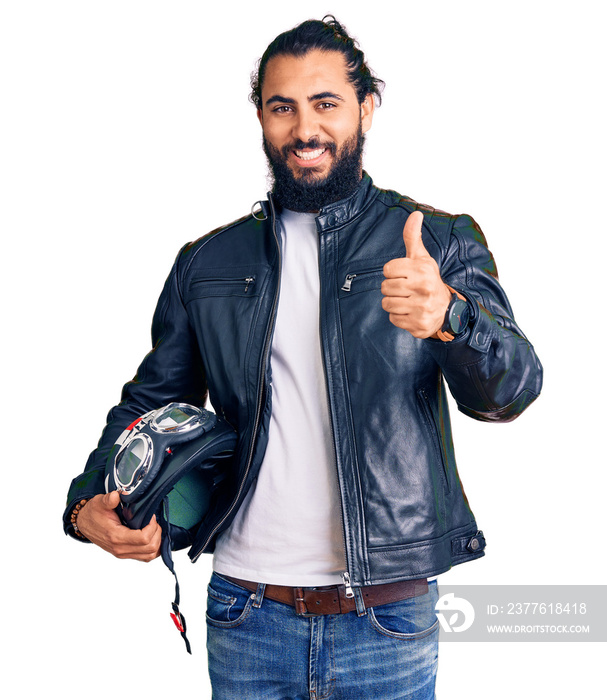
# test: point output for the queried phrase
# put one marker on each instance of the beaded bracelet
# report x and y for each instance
(74, 517)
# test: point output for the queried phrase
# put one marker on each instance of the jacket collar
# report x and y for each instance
(339, 213)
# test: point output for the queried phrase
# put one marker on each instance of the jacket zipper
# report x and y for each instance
(247, 281)
(345, 576)
(262, 371)
(346, 579)
(436, 435)
(347, 285)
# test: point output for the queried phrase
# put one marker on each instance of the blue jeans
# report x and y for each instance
(262, 650)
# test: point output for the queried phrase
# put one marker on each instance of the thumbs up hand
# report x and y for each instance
(415, 296)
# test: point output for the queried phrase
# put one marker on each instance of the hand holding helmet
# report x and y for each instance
(99, 523)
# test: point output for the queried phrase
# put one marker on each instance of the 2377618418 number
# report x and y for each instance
(545, 609)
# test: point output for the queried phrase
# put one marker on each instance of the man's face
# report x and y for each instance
(312, 125)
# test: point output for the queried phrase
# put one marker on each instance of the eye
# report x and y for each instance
(325, 106)
(282, 109)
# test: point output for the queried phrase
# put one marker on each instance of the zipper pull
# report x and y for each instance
(348, 283)
(248, 280)
(346, 578)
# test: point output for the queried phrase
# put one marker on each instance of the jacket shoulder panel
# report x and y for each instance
(438, 223)
(393, 198)
(238, 243)
(192, 248)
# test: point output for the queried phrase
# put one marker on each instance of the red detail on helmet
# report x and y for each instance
(177, 620)
(134, 423)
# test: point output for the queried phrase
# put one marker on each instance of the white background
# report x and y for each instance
(126, 132)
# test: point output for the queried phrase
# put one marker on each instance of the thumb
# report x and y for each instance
(111, 500)
(412, 236)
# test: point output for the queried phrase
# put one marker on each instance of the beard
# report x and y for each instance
(309, 192)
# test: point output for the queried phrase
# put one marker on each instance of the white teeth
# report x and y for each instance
(310, 155)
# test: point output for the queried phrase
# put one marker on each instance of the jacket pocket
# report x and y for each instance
(433, 424)
(222, 286)
(362, 280)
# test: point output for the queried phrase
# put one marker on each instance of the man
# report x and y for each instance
(322, 326)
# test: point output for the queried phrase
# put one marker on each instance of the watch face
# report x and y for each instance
(459, 315)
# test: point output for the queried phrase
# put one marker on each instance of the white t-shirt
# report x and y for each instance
(289, 528)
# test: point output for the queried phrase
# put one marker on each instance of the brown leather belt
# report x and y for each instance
(332, 600)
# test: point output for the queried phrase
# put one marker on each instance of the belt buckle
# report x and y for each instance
(301, 602)
(301, 608)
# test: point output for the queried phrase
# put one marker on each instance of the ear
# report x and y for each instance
(260, 116)
(367, 108)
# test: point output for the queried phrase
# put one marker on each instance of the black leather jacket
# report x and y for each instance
(405, 514)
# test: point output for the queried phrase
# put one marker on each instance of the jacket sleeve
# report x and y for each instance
(171, 371)
(492, 369)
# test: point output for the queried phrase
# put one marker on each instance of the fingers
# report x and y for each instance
(415, 296)
(412, 314)
(99, 522)
(143, 545)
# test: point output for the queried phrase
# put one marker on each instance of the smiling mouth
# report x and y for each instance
(310, 155)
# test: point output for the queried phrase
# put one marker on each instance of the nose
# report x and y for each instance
(306, 125)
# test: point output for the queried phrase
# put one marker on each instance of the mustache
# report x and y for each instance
(312, 144)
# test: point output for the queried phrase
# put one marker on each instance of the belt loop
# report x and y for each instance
(360, 603)
(259, 594)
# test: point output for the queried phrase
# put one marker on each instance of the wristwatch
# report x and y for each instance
(456, 318)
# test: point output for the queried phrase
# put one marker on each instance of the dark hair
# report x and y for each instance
(326, 35)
